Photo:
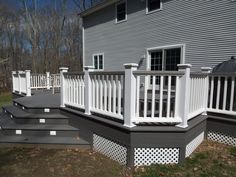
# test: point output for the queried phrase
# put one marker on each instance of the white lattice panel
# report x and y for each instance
(194, 144)
(148, 156)
(221, 138)
(111, 149)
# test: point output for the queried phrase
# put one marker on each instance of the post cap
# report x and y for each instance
(13, 72)
(206, 69)
(27, 70)
(88, 67)
(184, 66)
(130, 65)
(63, 68)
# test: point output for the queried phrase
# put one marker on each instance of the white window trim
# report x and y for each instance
(149, 50)
(98, 54)
(126, 16)
(153, 11)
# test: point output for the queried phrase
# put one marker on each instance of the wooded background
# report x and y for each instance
(40, 38)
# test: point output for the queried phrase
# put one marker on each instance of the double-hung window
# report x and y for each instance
(98, 61)
(153, 5)
(121, 12)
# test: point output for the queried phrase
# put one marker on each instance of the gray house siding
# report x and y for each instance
(207, 28)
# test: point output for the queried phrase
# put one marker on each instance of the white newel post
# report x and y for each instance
(88, 91)
(13, 81)
(62, 71)
(48, 80)
(184, 94)
(130, 94)
(19, 81)
(206, 70)
(28, 86)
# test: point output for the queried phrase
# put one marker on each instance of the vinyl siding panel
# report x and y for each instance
(207, 28)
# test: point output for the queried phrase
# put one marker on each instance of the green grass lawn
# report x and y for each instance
(5, 99)
(210, 160)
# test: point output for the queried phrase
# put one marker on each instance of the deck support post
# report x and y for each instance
(28, 86)
(48, 80)
(130, 94)
(206, 70)
(62, 71)
(184, 95)
(13, 81)
(88, 89)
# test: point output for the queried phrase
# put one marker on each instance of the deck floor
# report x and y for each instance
(41, 99)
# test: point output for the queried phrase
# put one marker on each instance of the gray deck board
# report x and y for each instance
(18, 113)
(40, 100)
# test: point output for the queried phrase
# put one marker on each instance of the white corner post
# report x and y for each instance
(184, 94)
(28, 86)
(130, 94)
(13, 81)
(62, 77)
(48, 80)
(206, 70)
(88, 89)
(19, 80)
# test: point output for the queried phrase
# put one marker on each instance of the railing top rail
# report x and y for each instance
(159, 73)
(73, 73)
(38, 74)
(197, 74)
(223, 74)
(107, 73)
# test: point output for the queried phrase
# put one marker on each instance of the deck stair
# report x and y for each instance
(28, 121)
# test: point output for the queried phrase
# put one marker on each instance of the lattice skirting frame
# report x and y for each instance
(148, 156)
(110, 149)
(221, 138)
(194, 144)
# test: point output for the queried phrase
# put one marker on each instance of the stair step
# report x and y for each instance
(44, 140)
(22, 116)
(9, 127)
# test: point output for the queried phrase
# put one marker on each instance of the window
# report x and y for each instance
(98, 62)
(121, 14)
(165, 59)
(153, 5)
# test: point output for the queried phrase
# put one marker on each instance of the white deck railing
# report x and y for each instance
(38, 81)
(23, 81)
(222, 94)
(157, 96)
(131, 96)
(198, 94)
(135, 97)
(107, 93)
(74, 90)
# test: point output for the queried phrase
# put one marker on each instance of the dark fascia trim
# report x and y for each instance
(192, 123)
(97, 8)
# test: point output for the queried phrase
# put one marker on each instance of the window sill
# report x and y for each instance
(153, 11)
(122, 21)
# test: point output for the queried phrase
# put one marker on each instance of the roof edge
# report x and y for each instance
(97, 7)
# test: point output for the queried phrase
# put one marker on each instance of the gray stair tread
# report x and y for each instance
(43, 140)
(10, 124)
(40, 100)
(19, 113)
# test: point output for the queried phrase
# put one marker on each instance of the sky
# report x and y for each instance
(16, 4)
